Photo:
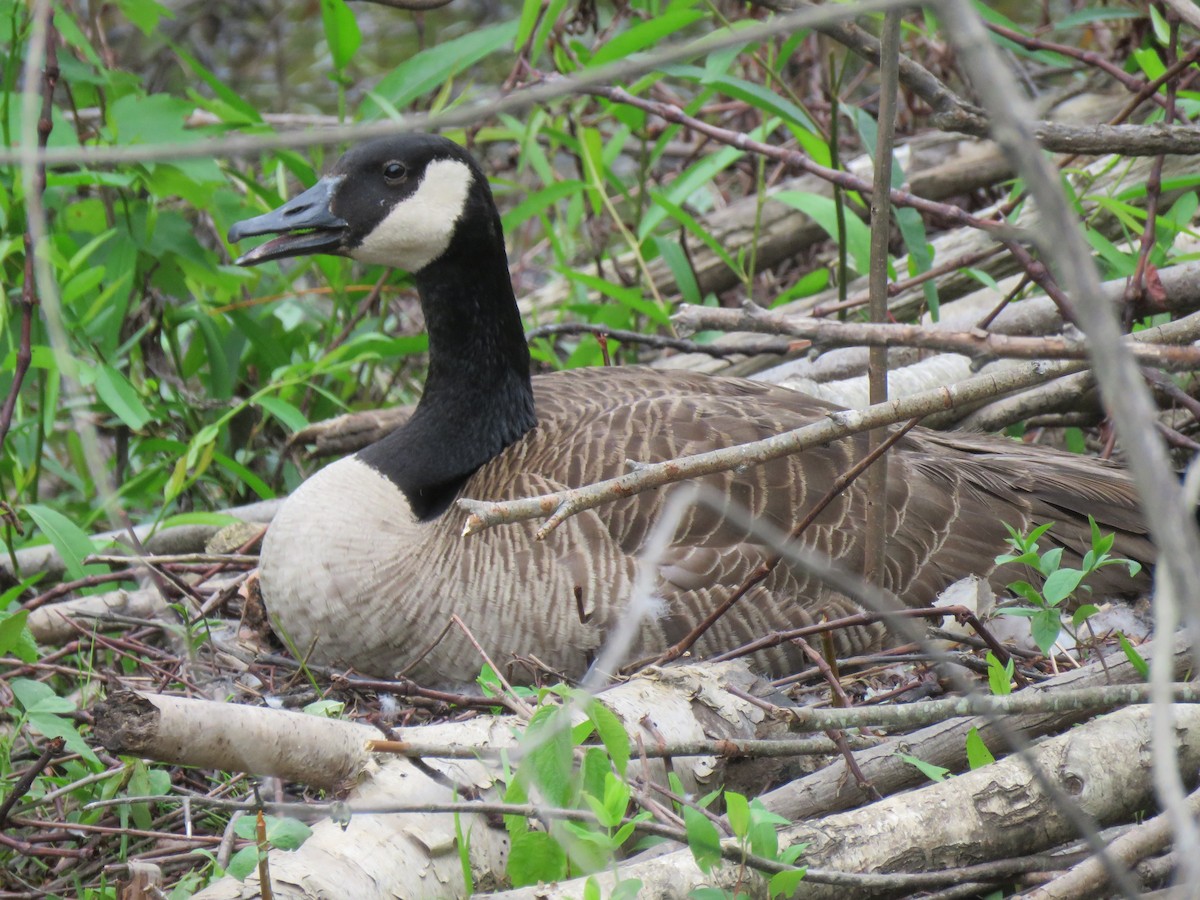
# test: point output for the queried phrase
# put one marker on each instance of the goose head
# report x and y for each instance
(421, 203)
(396, 201)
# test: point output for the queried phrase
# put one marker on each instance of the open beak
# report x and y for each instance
(305, 225)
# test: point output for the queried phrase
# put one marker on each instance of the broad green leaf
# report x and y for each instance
(693, 226)
(737, 810)
(702, 838)
(646, 33)
(291, 417)
(432, 67)
(15, 637)
(243, 863)
(612, 734)
(929, 770)
(1085, 612)
(681, 268)
(1136, 659)
(978, 754)
(72, 544)
(697, 177)
(218, 87)
(341, 31)
(823, 211)
(784, 884)
(145, 14)
(535, 856)
(286, 833)
(537, 202)
(999, 675)
(1045, 625)
(53, 726)
(756, 95)
(549, 758)
(626, 296)
(34, 696)
(1061, 584)
(121, 397)
(1050, 561)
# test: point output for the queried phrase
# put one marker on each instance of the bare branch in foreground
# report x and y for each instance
(976, 343)
(561, 505)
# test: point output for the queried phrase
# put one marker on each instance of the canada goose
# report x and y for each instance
(365, 563)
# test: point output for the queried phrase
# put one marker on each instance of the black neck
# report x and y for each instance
(478, 398)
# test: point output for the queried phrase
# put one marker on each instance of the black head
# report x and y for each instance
(394, 201)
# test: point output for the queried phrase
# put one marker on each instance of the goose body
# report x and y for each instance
(365, 562)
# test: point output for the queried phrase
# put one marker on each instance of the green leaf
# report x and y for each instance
(72, 544)
(243, 863)
(341, 32)
(535, 856)
(537, 202)
(823, 211)
(1061, 584)
(285, 833)
(1000, 676)
(612, 734)
(291, 417)
(1135, 659)
(436, 65)
(693, 226)
(697, 177)
(1085, 612)
(15, 637)
(645, 34)
(702, 838)
(53, 726)
(326, 709)
(1045, 625)
(549, 759)
(737, 810)
(1050, 561)
(121, 397)
(978, 754)
(929, 770)
(785, 883)
(681, 268)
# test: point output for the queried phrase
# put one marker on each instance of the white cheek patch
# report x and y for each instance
(418, 230)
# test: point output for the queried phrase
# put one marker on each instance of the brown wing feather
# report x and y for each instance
(949, 497)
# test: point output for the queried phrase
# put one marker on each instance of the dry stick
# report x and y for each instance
(53, 748)
(976, 343)
(1131, 408)
(843, 481)
(520, 707)
(898, 287)
(1135, 289)
(29, 297)
(929, 712)
(1089, 57)
(1087, 879)
(556, 507)
(659, 341)
(487, 106)
(875, 531)
(837, 735)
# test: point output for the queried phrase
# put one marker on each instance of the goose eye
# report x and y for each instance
(395, 172)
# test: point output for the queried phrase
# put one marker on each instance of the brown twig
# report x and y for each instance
(29, 296)
(660, 341)
(54, 747)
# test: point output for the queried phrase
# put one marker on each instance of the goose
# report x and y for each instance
(365, 562)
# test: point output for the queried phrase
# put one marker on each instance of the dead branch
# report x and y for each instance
(977, 344)
(560, 505)
(995, 812)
